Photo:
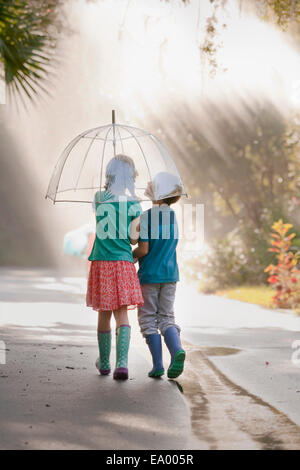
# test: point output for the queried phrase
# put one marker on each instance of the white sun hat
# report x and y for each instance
(164, 185)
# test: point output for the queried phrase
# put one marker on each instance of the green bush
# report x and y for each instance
(231, 261)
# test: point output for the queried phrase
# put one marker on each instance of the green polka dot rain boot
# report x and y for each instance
(122, 347)
(104, 342)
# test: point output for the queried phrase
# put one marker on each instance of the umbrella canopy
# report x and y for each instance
(86, 163)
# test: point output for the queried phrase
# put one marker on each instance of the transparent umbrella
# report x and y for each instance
(81, 169)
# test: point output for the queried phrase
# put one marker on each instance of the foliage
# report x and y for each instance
(247, 156)
(28, 33)
(250, 165)
(238, 259)
(285, 275)
(229, 262)
(283, 10)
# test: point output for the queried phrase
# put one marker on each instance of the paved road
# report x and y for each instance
(52, 397)
(249, 344)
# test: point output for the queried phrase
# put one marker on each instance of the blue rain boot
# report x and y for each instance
(173, 343)
(104, 342)
(154, 344)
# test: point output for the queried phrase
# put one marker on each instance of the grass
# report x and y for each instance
(260, 295)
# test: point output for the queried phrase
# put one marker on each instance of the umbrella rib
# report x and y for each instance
(67, 150)
(83, 189)
(111, 140)
(71, 200)
(104, 145)
(126, 128)
(121, 138)
(85, 157)
(135, 129)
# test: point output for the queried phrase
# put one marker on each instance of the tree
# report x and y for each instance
(285, 13)
(26, 43)
(251, 165)
(29, 29)
(246, 156)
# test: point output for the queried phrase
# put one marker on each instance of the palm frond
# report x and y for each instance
(25, 45)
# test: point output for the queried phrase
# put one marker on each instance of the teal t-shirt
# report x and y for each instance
(159, 228)
(113, 219)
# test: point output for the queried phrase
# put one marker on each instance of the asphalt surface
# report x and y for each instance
(256, 345)
(52, 396)
(238, 391)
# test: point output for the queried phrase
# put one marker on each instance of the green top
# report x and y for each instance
(113, 221)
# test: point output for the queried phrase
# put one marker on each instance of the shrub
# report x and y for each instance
(230, 262)
(238, 259)
(285, 275)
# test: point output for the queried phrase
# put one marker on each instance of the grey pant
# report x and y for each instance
(157, 313)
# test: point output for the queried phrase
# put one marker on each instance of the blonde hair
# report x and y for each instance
(121, 172)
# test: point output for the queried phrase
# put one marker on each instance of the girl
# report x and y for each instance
(113, 285)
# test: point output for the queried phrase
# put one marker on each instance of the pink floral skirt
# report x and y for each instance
(113, 284)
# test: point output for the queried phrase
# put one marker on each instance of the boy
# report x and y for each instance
(158, 274)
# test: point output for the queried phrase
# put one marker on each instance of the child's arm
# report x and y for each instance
(143, 247)
(141, 250)
(134, 231)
